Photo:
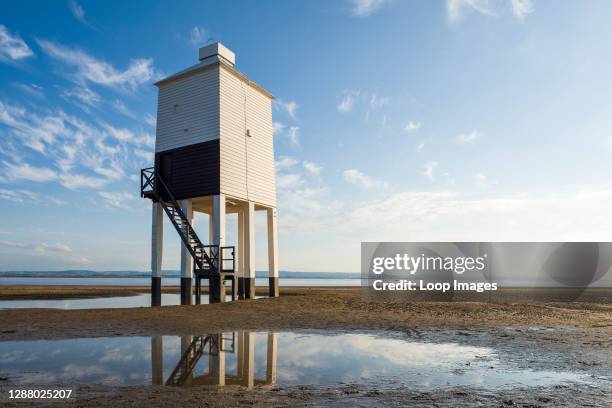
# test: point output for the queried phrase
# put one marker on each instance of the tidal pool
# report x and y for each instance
(143, 300)
(261, 358)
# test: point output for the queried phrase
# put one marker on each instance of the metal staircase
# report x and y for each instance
(208, 259)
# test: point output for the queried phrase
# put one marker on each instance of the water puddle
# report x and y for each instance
(144, 300)
(260, 358)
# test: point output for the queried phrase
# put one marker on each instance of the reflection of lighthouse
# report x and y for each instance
(157, 360)
(216, 347)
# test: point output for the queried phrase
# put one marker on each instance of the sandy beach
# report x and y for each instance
(573, 336)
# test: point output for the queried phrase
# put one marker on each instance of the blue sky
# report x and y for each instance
(395, 120)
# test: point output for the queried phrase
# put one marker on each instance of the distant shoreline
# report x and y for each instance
(165, 274)
(147, 276)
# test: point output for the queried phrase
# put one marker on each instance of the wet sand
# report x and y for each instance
(577, 336)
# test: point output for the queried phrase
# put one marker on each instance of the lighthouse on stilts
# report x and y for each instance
(214, 154)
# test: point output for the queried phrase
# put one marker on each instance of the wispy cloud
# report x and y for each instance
(468, 138)
(377, 101)
(278, 127)
(199, 36)
(482, 180)
(347, 100)
(356, 177)
(290, 135)
(294, 135)
(17, 195)
(455, 9)
(119, 199)
(150, 120)
(521, 8)
(12, 47)
(363, 101)
(90, 69)
(30, 89)
(24, 171)
(78, 12)
(312, 168)
(285, 162)
(289, 181)
(365, 8)
(412, 126)
(78, 181)
(77, 154)
(122, 108)
(428, 170)
(84, 95)
(37, 247)
(289, 107)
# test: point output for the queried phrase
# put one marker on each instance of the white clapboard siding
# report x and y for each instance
(188, 110)
(247, 163)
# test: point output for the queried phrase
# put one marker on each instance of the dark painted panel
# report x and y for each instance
(191, 171)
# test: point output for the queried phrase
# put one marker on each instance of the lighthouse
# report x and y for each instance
(214, 154)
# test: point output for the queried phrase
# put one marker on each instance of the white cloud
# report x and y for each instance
(17, 196)
(31, 89)
(575, 215)
(18, 172)
(377, 101)
(428, 170)
(78, 12)
(122, 108)
(75, 153)
(146, 155)
(118, 199)
(312, 168)
(278, 127)
(411, 126)
(351, 99)
(289, 181)
(199, 36)
(420, 146)
(150, 120)
(127, 136)
(365, 8)
(356, 177)
(285, 162)
(76, 181)
(38, 247)
(146, 139)
(347, 101)
(289, 107)
(481, 180)
(520, 8)
(294, 135)
(455, 9)
(12, 47)
(100, 72)
(112, 172)
(34, 131)
(83, 94)
(468, 138)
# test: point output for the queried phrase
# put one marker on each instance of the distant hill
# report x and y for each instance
(82, 273)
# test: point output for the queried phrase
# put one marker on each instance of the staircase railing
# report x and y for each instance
(153, 186)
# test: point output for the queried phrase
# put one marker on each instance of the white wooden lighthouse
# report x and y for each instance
(214, 154)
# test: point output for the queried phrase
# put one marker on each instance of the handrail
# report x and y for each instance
(213, 255)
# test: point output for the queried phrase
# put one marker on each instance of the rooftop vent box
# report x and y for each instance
(217, 50)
